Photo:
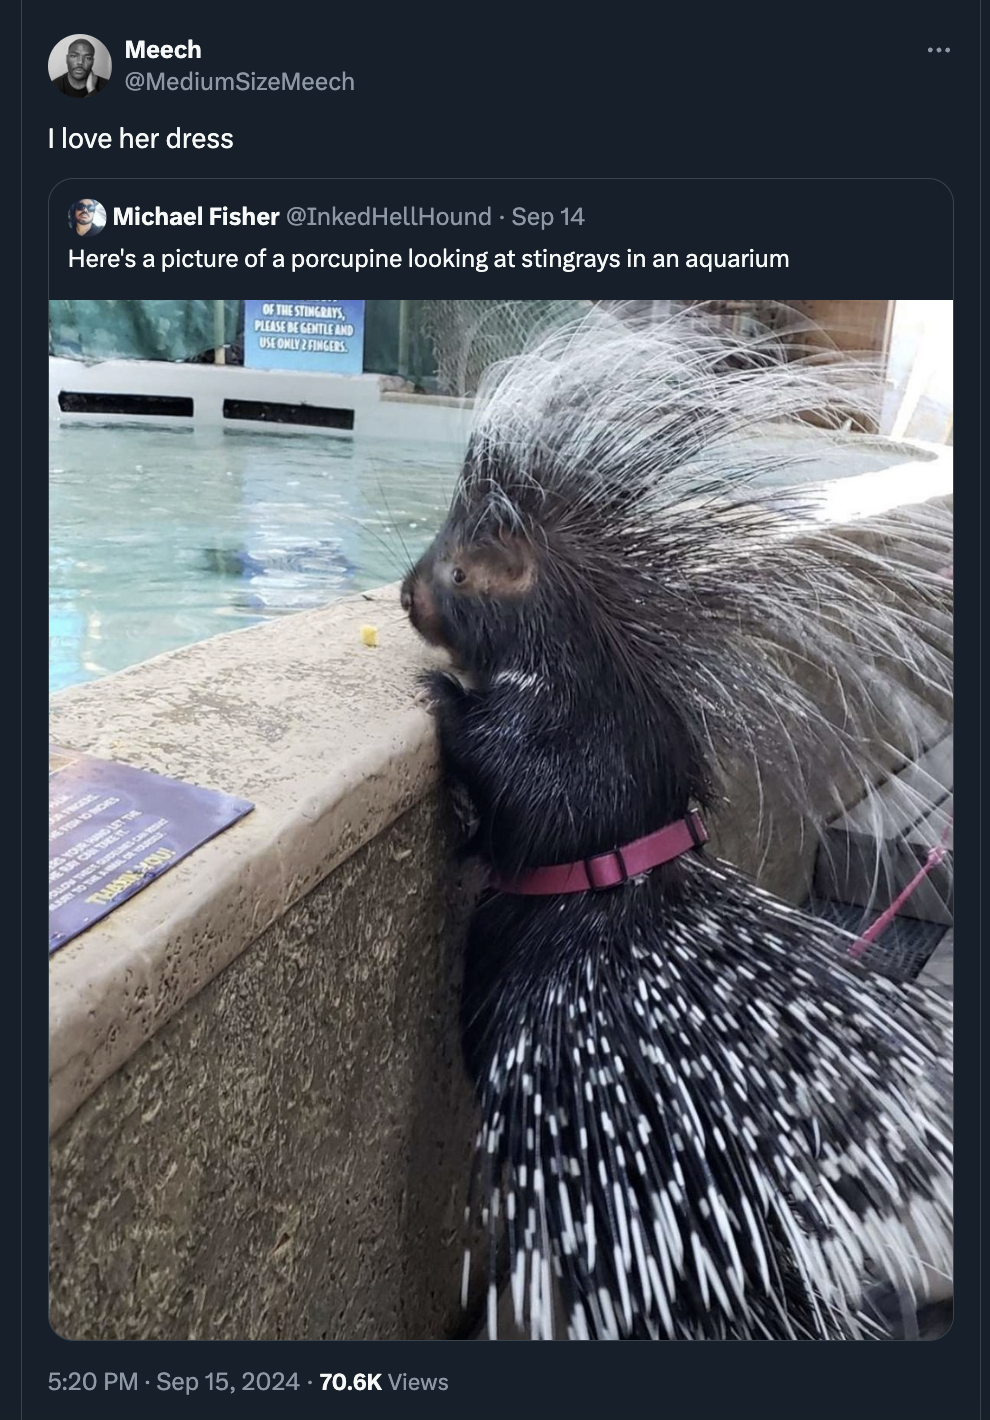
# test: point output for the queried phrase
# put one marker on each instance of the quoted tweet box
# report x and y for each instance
(319, 336)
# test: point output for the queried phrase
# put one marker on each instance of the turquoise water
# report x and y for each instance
(162, 537)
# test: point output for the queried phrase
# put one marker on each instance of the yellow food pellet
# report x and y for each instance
(369, 635)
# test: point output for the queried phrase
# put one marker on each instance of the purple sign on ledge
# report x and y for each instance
(113, 829)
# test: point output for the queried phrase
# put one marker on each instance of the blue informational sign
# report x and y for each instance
(325, 336)
(113, 829)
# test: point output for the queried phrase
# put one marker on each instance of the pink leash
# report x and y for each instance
(935, 856)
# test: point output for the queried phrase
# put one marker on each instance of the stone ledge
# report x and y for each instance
(320, 731)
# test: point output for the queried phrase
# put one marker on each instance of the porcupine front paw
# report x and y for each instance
(441, 692)
(438, 688)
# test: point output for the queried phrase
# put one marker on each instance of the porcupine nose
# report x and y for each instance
(416, 598)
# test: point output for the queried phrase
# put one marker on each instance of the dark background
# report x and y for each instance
(830, 133)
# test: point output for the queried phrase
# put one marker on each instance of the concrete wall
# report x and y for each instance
(286, 1158)
(260, 1127)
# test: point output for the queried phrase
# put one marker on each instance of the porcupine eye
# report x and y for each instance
(458, 576)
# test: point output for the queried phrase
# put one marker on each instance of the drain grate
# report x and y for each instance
(84, 402)
(269, 411)
(901, 951)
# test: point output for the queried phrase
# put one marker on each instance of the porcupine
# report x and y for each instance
(700, 1118)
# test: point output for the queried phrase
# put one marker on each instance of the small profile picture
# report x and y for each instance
(87, 217)
(79, 66)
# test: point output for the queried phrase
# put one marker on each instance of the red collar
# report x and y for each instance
(608, 870)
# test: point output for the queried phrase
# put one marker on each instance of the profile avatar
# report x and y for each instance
(87, 217)
(80, 79)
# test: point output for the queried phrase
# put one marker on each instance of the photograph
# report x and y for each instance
(87, 217)
(79, 67)
(500, 815)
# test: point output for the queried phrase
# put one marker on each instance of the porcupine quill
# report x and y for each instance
(700, 1118)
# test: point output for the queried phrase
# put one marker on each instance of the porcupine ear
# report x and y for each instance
(504, 568)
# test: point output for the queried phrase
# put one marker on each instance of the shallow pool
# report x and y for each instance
(161, 537)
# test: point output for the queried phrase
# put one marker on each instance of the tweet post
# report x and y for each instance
(501, 723)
